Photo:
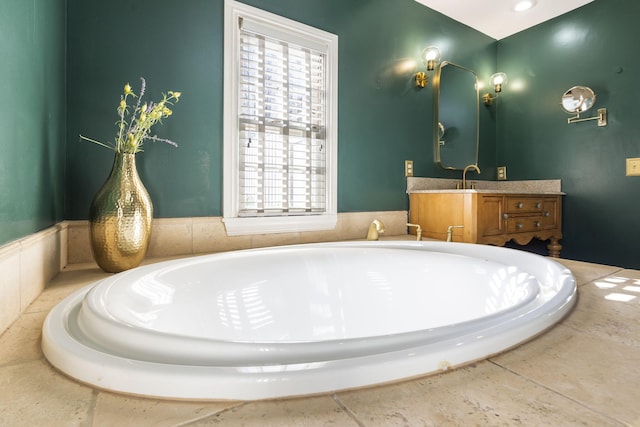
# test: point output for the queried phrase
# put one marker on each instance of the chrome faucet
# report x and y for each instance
(418, 230)
(464, 174)
(375, 229)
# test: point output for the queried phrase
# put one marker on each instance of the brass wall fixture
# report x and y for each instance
(430, 58)
(579, 99)
(497, 80)
(375, 230)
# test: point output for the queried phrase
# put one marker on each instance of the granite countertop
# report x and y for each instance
(443, 185)
(487, 191)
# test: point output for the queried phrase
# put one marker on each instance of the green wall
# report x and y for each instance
(593, 46)
(175, 45)
(32, 115)
(46, 177)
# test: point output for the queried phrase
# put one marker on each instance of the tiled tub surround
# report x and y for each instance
(582, 372)
(28, 264)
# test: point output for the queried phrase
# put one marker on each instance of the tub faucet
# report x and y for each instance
(450, 231)
(418, 230)
(464, 174)
(375, 229)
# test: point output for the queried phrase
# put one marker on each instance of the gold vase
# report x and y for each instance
(120, 218)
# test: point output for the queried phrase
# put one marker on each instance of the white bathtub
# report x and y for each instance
(305, 319)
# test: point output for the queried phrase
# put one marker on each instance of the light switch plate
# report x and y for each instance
(633, 166)
(408, 168)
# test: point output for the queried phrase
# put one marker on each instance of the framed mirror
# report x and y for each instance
(456, 130)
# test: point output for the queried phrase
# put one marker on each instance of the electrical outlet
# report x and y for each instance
(408, 168)
(633, 166)
(502, 173)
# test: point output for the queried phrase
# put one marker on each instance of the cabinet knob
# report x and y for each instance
(537, 223)
(519, 205)
(519, 226)
(538, 205)
(547, 213)
(505, 216)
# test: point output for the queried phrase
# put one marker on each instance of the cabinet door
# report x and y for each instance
(490, 221)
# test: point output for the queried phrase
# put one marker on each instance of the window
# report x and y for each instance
(280, 124)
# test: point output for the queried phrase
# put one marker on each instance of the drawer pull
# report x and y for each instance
(538, 205)
(519, 226)
(537, 223)
(519, 205)
(547, 214)
(505, 216)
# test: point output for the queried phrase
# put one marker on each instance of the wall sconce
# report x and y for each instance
(430, 57)
(497, 80)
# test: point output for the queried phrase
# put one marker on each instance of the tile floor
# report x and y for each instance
(583, 372)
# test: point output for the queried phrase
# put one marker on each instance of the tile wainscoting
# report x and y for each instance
(28, 264)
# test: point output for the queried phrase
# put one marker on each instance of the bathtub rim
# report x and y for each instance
(250, 383)
(222, 352)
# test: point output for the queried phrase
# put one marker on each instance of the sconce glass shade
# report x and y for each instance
(430, 57)
(497, 80)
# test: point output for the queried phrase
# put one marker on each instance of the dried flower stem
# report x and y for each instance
(131, 134)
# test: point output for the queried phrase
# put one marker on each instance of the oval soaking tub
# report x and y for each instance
(304, 319)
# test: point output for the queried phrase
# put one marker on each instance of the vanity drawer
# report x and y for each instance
(523, 204)
(524, 224)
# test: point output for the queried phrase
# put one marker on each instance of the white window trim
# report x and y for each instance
(263, 225)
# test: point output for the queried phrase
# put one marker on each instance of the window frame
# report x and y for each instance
(294, 32)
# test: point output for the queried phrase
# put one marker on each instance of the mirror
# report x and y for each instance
(456, 109)
(578, 99)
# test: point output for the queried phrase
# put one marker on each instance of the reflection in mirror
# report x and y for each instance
(578, 99)
(456, 116)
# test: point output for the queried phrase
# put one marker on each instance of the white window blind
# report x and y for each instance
(281, 126)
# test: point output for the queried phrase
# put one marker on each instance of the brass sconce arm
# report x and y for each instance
(601, 118)
(421, 79)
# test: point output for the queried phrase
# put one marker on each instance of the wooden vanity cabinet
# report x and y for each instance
(490, 218)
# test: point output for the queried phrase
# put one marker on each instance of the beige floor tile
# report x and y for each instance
(33, 394)
(308, 412)
(582, 372)
(598, 373)
(21, 342)
(603, 311)
(477, 395)
(585, 272)
(64, 284)
(120, 410)
(632, 275)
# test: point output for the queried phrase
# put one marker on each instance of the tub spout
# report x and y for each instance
(450, 231)
(418, 230)
(375, 229)
(464, 174)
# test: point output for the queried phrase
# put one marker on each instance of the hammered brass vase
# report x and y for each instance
(120, 218)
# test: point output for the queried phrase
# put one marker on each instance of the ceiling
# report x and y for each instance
(496, 18)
